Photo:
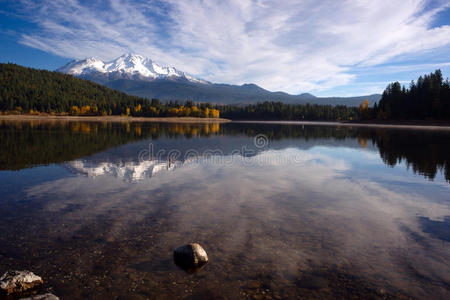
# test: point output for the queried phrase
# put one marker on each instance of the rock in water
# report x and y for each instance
(190, 257)
(13, 282)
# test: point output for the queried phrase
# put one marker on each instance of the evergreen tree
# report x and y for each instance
(429, 98)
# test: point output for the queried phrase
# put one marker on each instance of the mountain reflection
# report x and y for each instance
(279, 220)
(28, 144)
(129, 171)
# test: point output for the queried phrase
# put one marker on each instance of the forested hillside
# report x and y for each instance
(26, 90)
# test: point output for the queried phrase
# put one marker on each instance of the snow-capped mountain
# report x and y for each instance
(140, 76)
(127, 66)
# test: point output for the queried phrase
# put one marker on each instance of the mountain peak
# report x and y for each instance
(93, 59)
(307, 96)
(128, 66)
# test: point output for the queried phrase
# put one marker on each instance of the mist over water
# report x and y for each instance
(283, 211)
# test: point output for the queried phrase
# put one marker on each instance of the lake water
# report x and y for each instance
(283, 211)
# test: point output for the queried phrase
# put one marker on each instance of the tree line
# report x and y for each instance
(428, 98)
(31, 91)
(282, 111)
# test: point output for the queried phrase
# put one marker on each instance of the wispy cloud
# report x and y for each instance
(288, 45)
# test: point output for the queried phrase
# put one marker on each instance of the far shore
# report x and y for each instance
(112, 119)
(422, 125)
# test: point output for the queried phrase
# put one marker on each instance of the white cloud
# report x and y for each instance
(288, 45)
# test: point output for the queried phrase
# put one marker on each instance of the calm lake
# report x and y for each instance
(283, 210)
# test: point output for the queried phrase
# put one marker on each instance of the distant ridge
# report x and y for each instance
(140, 76)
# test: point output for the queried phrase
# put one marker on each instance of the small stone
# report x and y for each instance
(13, 282)
(190, 257)
(47, 296)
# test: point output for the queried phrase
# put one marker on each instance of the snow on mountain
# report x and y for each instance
(127, 66)
(142, 76)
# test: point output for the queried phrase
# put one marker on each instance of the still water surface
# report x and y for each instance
(284, 211)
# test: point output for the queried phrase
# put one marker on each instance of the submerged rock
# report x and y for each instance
(190, 257)
(13, 282)
(47, 296)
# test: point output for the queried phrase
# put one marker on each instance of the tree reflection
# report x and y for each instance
(426, 153)
(27, 144)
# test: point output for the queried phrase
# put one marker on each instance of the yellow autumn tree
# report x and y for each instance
(182, 111)
(85, 110)
(74, 110)
(214, 113)
(206, 112)
(364, 112)
(138, 108)
(195, 111)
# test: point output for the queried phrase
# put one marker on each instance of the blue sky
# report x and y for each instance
(328, 48)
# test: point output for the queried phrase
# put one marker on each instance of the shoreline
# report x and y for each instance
(113, 119)
(393, 125)
(422, 125)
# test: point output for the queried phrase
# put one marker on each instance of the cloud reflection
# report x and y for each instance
(285, 215)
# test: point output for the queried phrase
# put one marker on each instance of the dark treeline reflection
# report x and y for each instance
(425, 152)
(283, 131)
(27, 144)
